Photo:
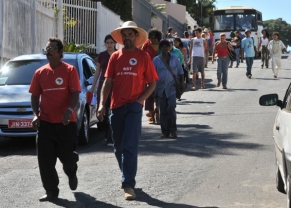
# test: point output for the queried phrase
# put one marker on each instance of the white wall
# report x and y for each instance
(175, 10)
(26, 26)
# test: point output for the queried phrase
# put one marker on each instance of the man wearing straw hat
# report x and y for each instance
(128, 73)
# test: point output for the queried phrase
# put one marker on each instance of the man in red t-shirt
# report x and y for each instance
(57, 84)
(128, 73)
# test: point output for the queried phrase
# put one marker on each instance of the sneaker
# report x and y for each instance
(249, 76)
(110, 144)
(275, 76)
(224, 87)
(129, 194)
(49, 196)
(73, 183)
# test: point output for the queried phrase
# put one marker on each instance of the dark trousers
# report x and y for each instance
(168, 116)
(104, 125)
(265, 56)
(55, 140)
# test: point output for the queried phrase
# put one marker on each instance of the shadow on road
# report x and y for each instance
(230, 89)
(144, 197)
(187, 102)
(82, 200)
(193, 140)
(196, 113)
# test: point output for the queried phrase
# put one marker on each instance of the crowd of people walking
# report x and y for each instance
(148, 69)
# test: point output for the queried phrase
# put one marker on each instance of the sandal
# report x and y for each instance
(151, 120)
(202, 86)
(148, 115)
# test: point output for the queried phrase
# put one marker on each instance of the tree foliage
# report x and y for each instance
(193, 7)
(280, 26)
(120, 7)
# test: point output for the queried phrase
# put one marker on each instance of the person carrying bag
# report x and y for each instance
(179, 86)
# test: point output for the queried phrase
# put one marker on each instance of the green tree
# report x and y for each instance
(120, 7)
(193, 7)
(280, 26)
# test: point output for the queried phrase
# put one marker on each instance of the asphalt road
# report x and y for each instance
(224, 156)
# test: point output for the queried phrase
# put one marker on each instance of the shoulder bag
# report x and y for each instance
(179, 86)
(231, 53)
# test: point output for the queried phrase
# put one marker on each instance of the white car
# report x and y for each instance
(282, 139)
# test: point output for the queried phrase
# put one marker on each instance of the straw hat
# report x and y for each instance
(140, 39)
(206, 30)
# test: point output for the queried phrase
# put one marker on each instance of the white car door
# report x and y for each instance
(282, 129)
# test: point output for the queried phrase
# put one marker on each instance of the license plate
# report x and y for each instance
(23, 123)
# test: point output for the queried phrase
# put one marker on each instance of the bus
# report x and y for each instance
(237, 17)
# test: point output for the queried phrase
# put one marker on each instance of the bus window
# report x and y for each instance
(246, 21)
(223, 22)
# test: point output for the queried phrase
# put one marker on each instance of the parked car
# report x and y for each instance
(282, 139)
(15, 109)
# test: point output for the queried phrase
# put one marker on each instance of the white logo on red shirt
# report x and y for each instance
(59, 81)
(132, 61)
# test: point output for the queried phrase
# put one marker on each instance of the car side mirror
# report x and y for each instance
(269, 100)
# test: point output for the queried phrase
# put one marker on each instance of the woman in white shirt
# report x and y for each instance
(263, 46)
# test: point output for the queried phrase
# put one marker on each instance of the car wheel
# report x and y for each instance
(279, 181)
(288, 192)
(84, 131)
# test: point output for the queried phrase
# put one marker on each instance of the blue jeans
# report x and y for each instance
(126, 130)
(222, 69)
(168, 116)
(237, 50)
(249, 61)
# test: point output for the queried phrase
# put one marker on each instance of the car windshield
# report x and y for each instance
(21, 72)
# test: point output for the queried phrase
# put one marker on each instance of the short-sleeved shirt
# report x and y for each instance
(248, 45)
(103, 59)
(130, 72)
(55, 88)
(177, 52)
(166, 80)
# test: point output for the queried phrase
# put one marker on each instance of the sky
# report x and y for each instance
(271, 9)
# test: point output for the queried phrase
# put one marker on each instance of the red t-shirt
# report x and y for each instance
(55, 87)
(103, 59)
(149, 49)
(130, 71)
